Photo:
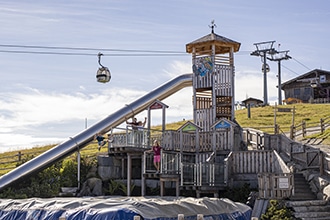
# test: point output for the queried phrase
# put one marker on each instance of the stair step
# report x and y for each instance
(310, 209)
(301, 209)
(317, 218)
(302, 190)
(300, 198)
(303, 196)
(307, 203)
(311, 215)
(301, 187)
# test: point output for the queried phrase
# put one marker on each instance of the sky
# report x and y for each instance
(48, 56)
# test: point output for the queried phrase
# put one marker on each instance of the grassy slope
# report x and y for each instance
(262, 118)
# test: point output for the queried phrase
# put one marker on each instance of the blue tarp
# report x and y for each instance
(122, 208)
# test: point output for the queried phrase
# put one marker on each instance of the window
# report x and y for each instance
(307, 91)
(296, 93)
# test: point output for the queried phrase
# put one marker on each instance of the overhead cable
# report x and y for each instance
(89, 54)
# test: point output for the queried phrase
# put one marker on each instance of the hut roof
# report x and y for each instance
(250, 99)
(204, 44)
(309, 75)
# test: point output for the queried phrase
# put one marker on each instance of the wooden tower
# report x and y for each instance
(213, 81)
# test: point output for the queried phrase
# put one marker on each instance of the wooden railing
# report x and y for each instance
(275, 179)
(275, 186)
(129, 137)
(325, 164)
(297, 131)
(254, 138)
(304, 129)
(255, 161)
(10, 162)
(303, 155)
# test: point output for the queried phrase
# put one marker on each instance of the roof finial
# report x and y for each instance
(212, 26)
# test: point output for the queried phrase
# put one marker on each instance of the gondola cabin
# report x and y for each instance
(103, 75)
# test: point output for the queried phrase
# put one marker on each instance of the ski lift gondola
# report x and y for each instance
(103, 74)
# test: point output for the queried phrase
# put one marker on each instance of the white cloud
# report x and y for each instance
(62, 91)
(177, 68)
(35, 109)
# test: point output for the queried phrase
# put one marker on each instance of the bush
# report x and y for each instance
(49, 181)
(238, 194)
(277, 210)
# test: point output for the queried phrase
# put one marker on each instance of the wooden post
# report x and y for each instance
(258, 141)
(248, 137)
(292, 132)
(303, 127)
(177, 185)
(129, 173)
(225, 174)
(19, 155)
(291, 151)
(122, 167)
(162, 188)
(322, 125)
(293, 114)
(143, 179)
(321, 156)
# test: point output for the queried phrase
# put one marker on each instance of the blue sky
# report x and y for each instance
(46, 98)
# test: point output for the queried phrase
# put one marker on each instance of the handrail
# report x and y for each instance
(295, 151)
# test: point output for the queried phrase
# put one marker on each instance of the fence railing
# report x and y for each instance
(191, 173)
(254, 138)
(303, 155)
(17, 157)
(276, 186)
(325, 164)
(268, 166)
(10, 162)
(297, 131)
(129, 137)
(304, 129)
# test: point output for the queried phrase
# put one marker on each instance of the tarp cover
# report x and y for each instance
(122, 208)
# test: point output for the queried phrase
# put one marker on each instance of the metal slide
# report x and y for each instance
(83, 138)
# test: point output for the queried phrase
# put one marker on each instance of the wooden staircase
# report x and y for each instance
(302, 190)
(313, 209)
(304, 202)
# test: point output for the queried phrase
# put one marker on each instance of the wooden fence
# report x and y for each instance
(303, 155)
(304, 129)
(298, 131)
(275, 179)
(10, 162)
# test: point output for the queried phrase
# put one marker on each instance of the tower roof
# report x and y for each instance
(204, 44)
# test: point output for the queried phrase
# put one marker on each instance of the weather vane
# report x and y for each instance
(212, 26)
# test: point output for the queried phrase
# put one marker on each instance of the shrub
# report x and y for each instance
(47, 183)
(277, 210)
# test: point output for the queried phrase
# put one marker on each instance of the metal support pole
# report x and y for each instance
(278, 56)
(264, 49)
(265, 81)
(279, 84)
